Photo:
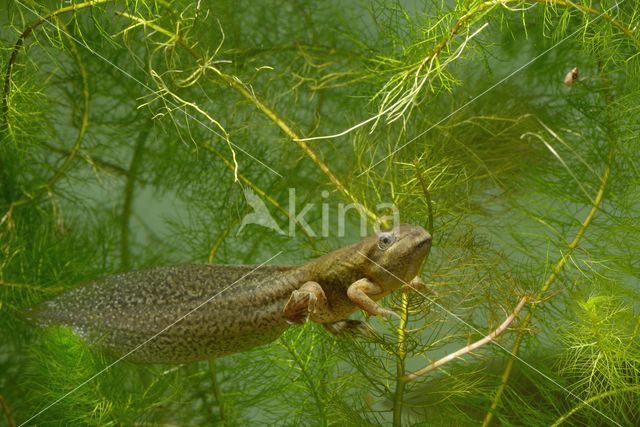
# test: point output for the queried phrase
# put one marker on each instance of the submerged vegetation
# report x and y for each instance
(131, 128)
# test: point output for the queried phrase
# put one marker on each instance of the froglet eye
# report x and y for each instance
(386, 240)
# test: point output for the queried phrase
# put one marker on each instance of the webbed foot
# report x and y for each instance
(299, 307)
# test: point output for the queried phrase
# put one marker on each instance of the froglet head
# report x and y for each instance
(394, 257)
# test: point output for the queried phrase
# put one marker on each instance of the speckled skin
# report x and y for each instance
(245, 309)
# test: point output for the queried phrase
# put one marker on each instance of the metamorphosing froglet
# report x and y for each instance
(241, 306)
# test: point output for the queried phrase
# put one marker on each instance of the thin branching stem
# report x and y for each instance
(401, 349)
(84, 123)
(31, 287)
(628, 32)
(25, 33)
(308, 378)
(7, 412)
(401, 354)
(636, 331)
(427, 197)
(84, 126)
(134, 167)
(247, 93)
(471, 347)
(588, 402)
(397, 101)
(219, 240)
(263, 194)
(215, 385)
(555, 272)
(217, 392)
(94, 162)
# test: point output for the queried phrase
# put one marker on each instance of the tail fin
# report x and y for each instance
(37, 314)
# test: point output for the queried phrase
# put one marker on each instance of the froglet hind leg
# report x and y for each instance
(359, 292)
(309, 299)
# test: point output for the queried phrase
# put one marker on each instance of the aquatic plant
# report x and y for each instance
(130, 130)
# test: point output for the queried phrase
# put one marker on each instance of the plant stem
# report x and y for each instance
(592, 399)
(486, 6)
(474, 14)
(31, 287)
(84, 125)
(469, 348)
(217, 393)
(7, 412)
(216, 245)
(134, 166)
(25, 33)
(263, 194)
(427, 196)
(308, 378)
(250, 96)
(401, 354)
(555, 271)
(94, 162)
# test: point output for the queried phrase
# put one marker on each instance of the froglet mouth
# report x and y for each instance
(127, 311)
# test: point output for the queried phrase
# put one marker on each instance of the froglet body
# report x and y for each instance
(240, 306)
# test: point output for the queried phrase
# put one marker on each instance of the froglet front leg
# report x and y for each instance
(415, 285)
(309, 300)
(359, 292)
(418, 286)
